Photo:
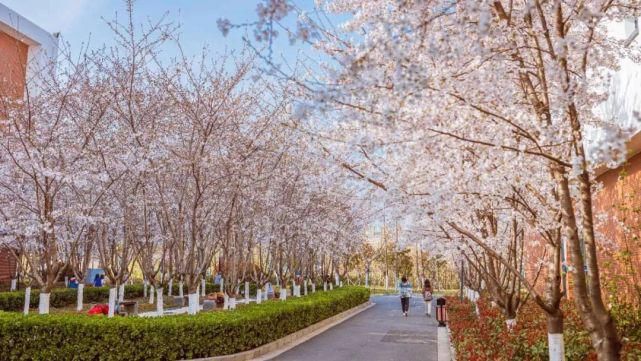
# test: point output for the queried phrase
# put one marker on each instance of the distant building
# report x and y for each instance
(25, 48)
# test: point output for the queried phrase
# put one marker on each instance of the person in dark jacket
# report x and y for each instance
(97, 281)
(405, 290)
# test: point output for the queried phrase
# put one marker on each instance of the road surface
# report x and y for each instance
(380, 333)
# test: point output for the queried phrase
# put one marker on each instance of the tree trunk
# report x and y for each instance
(160, 306)
(556, 345)
(43, 305)
(194, 305)
(80, 303)
(112, 301)
(27, 300)
(597, 321)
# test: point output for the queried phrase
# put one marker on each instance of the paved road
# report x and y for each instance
(377, 334)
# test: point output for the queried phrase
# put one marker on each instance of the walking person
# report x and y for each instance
(427, 297)
(405, 289)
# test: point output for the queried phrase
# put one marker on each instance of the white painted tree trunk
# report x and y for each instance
(121, 293)
(225, 302)
(203, 287)
(313, 287)
(510, 323)
(27, 300)
(151, 295)
(366, 279)
(259, 296)
(194, 306)
(232, 303)
(331, 286)
(160, 302)
(14, 284)
(180, 289)
(170, 288)
(247, 292)
(80, 303)
(283, 294)
(144, 289)
(325, 286)
(386, 282)
(43, 305)
(305, 288)
(222, 285)
(112, 302)
(340, 284)
(336, 279)
(556, 347)
(66, 281)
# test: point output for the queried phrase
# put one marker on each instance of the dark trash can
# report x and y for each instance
(441, 311)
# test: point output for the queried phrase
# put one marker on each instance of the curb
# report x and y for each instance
(275, 348)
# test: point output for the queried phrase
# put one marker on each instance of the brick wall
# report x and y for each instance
(7, 265)
(618, 224)
(620, 230)
(13, 65)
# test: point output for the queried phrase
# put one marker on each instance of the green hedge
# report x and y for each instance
(78, 337)
(62, 297)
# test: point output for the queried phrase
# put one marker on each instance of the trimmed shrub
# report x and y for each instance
(79, 337)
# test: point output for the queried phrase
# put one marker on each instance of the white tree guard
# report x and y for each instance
(194, 305)
(112, 302)
(160, 302)
(556, 347)
(27, 300)
(79, 300)
(510, 323)
(121, 293)
(43, 305)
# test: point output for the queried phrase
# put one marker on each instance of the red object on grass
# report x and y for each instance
(101, 309)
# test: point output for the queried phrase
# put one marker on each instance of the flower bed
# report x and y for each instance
(78, 337)
(486, 337)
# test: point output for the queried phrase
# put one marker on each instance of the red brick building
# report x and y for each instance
(24, 47)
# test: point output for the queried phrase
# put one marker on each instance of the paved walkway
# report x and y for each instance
(379, 334)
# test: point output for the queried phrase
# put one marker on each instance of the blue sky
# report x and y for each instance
(82, 20)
